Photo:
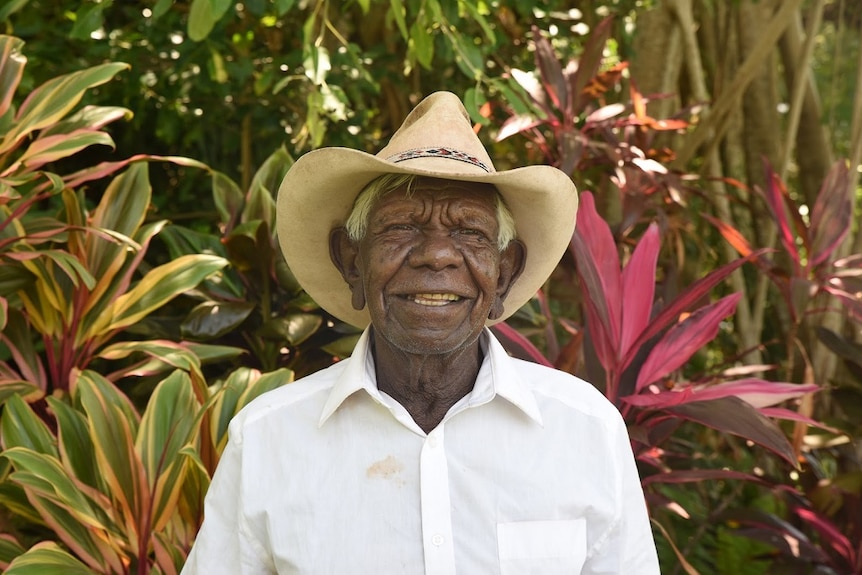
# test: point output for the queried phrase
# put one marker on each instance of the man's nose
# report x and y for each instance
(436, 251)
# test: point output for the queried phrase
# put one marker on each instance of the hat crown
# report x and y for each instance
(439, 128)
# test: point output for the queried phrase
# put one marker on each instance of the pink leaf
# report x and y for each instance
(599, 266)
(549, 66)
(516, 125)
(758, 393)
(832, 214)
(638, 281)
(776, 196)
(683, 302)
(683, 339)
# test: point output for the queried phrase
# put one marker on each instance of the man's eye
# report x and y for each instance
(477, 234)
(398, 227)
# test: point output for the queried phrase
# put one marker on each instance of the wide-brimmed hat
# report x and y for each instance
(436, 140)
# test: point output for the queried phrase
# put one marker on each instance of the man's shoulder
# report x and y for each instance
(302, 394)
(554, 384)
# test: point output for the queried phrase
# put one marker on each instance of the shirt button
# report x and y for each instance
(438, 540)
(432, 441)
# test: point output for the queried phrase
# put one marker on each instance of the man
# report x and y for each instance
(429, 450)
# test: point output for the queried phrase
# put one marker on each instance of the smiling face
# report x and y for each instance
(429, 267)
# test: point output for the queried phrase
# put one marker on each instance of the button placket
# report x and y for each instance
(436, 506)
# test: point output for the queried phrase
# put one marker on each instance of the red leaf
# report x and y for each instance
(518, 345)
(732, 235)
(588, 64)
(685, 338)
(599, 267)
(831, 535)
(696, 475)
(732, 415)
(638, 287)
(682, 303)
(758, 393)
(549, 66)
(832, 213)
(777, 198)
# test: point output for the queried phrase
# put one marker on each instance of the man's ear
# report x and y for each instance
(344, 252)
(512, 261)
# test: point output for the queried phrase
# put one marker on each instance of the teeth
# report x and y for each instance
(434, 299)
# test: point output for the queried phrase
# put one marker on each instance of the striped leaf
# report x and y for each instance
(53, 148)
(9, 549)
(75, 446)
(169, 424)
(47, 557)
(76, 519)
(21, 427)
(12, 63)
(54, 99)
(158, 287)
(113, 429)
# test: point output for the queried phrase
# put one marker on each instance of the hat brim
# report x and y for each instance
(318, 192)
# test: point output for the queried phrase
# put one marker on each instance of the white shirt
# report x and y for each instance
(532, 472)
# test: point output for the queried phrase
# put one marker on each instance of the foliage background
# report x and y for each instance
(722, 124)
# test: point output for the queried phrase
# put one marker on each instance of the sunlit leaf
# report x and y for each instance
(168, 425)
(12, 61)
(113, 427)
(47, 557)
(52, 148)
(683, 339)
(55, 98)
(203, 16)
(638, 288)
(21, 427)
(397, 10)
(159, 286)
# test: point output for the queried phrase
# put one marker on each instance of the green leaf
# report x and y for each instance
(122, 209)
(282, 7)
(210, 320)
(294, 328)
(47, 557)
(168, 425)
(158, 287)
(423, 41)
(161, 7)
(12, 61)
(54, 99)
(203, 16)
(52, 148)
(88, 19)
(397, 9)
(228, 198)
(242, 386)
(75, 444)
(23, 389)
(113, 429)
(4, 311)
(21, 427)
(9, 549)
(260, 204)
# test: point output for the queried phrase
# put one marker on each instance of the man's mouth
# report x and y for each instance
(433, 299)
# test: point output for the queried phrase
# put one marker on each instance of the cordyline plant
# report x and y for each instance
(98, 486)
(120, 490)
(67, 279)
(641, 347)
(568, 119)
(814, 277)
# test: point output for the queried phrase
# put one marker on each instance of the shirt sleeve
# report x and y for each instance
(629, 548)
(225, 544)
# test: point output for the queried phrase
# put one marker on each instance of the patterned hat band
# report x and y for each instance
(438, 152)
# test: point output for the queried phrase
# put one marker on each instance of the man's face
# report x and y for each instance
(429, 266)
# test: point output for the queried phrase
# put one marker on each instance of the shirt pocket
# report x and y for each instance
(542, 547)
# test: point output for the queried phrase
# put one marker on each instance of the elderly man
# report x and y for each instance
(430, 450)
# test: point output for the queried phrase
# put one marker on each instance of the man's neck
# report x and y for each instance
(426, 385)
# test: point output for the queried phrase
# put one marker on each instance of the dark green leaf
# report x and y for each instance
(210, 320)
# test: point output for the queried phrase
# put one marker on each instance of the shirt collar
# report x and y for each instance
(497, 376)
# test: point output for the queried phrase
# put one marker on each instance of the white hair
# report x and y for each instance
(357, 222)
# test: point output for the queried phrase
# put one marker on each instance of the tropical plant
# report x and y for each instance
(121, 490)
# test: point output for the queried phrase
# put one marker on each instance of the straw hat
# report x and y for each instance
(436, 140)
